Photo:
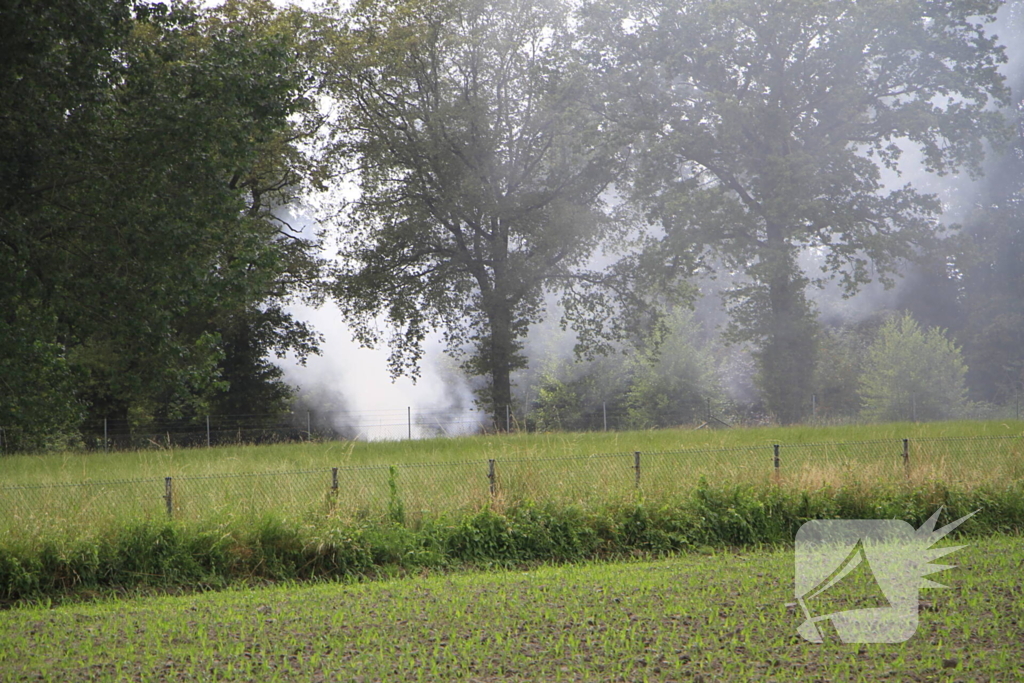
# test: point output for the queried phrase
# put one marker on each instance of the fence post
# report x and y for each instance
(105, 446)
(508, 419)
(1, 439)
(207, 431)
(491, 477)
(776, 447)
(636, 469)
(906, 457)
(334, 479)
(408, 420)
(604, 414)
(169, 496)
(309, 426)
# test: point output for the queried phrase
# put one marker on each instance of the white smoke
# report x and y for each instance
(350, 387)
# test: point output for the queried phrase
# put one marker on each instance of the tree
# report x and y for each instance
(574, 396)
(840, 361)
(913, 374)
(50, 68)
(975, 286)
(665, 382)
(671, 386)
(481, 164)
(145, 232)
(766, 125)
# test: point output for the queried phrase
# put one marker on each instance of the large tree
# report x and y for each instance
(142, 245)
(766, 127)
(481, 161)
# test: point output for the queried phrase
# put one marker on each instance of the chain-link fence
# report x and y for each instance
(413, 490)
(391, 424)
(216, 430)
(368, 425)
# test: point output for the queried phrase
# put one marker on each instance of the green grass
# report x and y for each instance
(73, 467)
(697, 617)
(440, 476)
(175, 555)
(105, 510)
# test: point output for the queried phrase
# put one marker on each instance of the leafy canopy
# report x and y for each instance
(481, 162)
(913, 374)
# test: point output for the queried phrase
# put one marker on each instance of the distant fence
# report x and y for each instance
(411, 490)
(370, 425)
(219, 430)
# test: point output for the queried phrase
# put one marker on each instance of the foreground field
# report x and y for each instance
(697, 617)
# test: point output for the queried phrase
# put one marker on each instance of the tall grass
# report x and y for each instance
(156, 463)
(428, 488)
(207, 554)
(277, 512)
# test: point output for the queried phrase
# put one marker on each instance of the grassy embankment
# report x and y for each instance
(260, 523)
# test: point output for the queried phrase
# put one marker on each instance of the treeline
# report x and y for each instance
(146, 258)
(885, 368)
(502, 153)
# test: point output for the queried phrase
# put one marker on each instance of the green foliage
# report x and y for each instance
(142, 249)
(764, 130)
(167, 554)
(481, 160)
(46, 417)
(557, 407)
(672, 384)
(840, 361)
(663, 381)
(913, 374)
(396, 508)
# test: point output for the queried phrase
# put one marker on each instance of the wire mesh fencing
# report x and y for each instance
(390, 424)
(408, 491)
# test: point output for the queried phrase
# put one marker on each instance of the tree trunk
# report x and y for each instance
(499, 360)
(789, 349)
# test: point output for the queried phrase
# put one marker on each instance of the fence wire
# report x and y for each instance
(404, 492)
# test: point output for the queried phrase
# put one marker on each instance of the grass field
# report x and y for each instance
(74, 467)
(698, 617)
(438, 476)
(75, 523)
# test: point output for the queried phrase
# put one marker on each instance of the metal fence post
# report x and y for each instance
(604, 414)
(208, 442)
(508, 419)
(169, 496)
(776, 447)
(491, 476)
(636, 469)
(105, 446)
(408, 420)
(334, 479)
(906, 457)
(309, 426)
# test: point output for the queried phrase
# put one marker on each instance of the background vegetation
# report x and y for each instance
(486, 168)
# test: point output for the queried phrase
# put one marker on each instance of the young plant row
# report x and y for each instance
(711, 616)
